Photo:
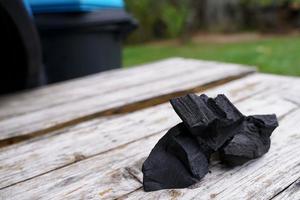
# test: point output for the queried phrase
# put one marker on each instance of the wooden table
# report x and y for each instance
(87, 138)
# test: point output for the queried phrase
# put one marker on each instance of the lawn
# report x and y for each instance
(279, 55)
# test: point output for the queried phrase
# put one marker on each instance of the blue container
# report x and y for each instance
(50, 6)
(27, 5)
(81, 37)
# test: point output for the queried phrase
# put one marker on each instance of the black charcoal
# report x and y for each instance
(194, 112)
(181, 157)
(211, 120)
(190, 153)
(265, 123)
(176, 161)
(251, 141)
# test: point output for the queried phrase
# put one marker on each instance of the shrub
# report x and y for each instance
(158, 19)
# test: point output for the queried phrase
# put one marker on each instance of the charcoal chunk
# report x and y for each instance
(176, 161)
(193, 111)
(229, 112)
(181, 157)
(265, 123)
(211, 120)
(190, 153)
(251, 141)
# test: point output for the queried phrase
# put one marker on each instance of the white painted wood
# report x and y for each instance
(54, 152)
(87, 186)
(45, 109)
(291, 193)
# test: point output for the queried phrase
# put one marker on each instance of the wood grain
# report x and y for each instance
(86, 87)
(54, 152)
(91, 173)
(95, 178)
(46, 110)
(290, 193)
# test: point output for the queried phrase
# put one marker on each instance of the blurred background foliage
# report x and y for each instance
(158, 19)
(262, 33)
(179, 18)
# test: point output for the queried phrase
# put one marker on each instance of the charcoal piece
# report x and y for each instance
(211, 120)
(226, 109)
(265, 123)
(181, 157)
(176, 161)
(193, 111)
(251, 141)
(216, 135)
(190, 153)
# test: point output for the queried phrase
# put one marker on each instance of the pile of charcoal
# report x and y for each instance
(210, 125)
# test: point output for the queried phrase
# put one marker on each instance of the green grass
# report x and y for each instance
(274, 55)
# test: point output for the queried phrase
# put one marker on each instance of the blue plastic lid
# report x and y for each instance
(48, 6)
(27, 5)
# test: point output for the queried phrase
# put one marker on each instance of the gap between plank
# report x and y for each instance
(106, 92)
(133, 175)
(123, 109)
(91, 156)
(125, 195)
(285, 188)
(120, 147)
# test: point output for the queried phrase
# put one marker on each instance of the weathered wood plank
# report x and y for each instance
(39, 114)
(103, 179)
(260, 179)
(102, 83)
(58, 151)
(96, 177)
(262, 105)
(291, 193)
